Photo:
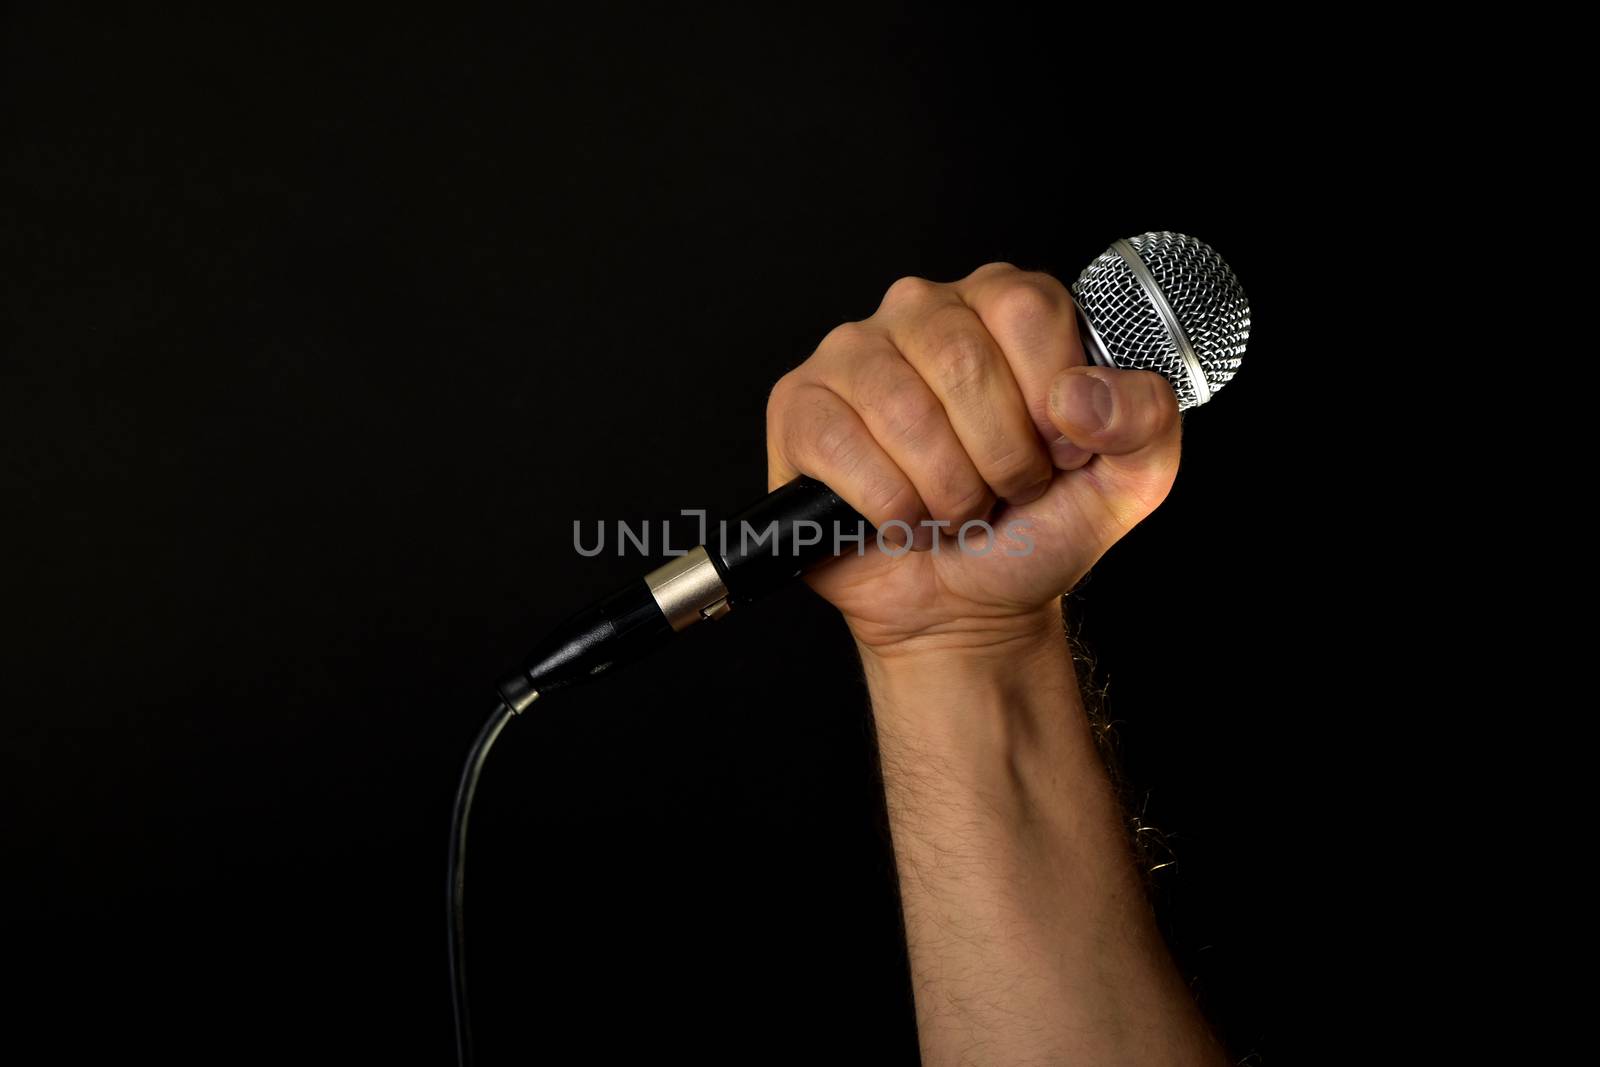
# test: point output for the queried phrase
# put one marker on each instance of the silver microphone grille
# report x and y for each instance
(1168, 303)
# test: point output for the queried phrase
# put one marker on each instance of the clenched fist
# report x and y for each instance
(962, 402)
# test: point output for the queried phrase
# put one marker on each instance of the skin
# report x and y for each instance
(1029, 934)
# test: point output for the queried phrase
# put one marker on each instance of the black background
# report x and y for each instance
(318, 335)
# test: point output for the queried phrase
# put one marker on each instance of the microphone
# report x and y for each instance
(1163, 302)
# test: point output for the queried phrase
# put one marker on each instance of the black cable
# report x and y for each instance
(458, 875)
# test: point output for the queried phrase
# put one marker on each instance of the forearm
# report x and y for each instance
(1029, 933)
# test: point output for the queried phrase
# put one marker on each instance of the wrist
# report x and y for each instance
(994, 702)
(975, 645)
(985, 746)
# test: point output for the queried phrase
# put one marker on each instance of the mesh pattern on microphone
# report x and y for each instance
(1204, 295)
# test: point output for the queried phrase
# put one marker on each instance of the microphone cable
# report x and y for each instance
(502, 714)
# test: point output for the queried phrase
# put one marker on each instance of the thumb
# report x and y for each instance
(1128, 420)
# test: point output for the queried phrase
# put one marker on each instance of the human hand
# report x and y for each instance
(961, 402)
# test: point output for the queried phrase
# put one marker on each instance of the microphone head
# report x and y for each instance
(1168, 303)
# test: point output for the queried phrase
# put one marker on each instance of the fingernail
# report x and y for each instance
(1084, 400)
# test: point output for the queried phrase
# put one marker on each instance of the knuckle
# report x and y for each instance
(779, 399)
(910, 411)
(1160, 405)
(833, 441)
(908, 290)
(902, 403)
(892, 497)
(847, 337)
(961, 361)
(781, 390)
(961, 496)
(1014, 468)
(1168, 419)
(1030, 301)
(999, 266)
(1167, 422)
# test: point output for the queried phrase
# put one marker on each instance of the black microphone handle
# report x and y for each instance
(794, 528)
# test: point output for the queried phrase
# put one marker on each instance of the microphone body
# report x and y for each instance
(767, 545)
